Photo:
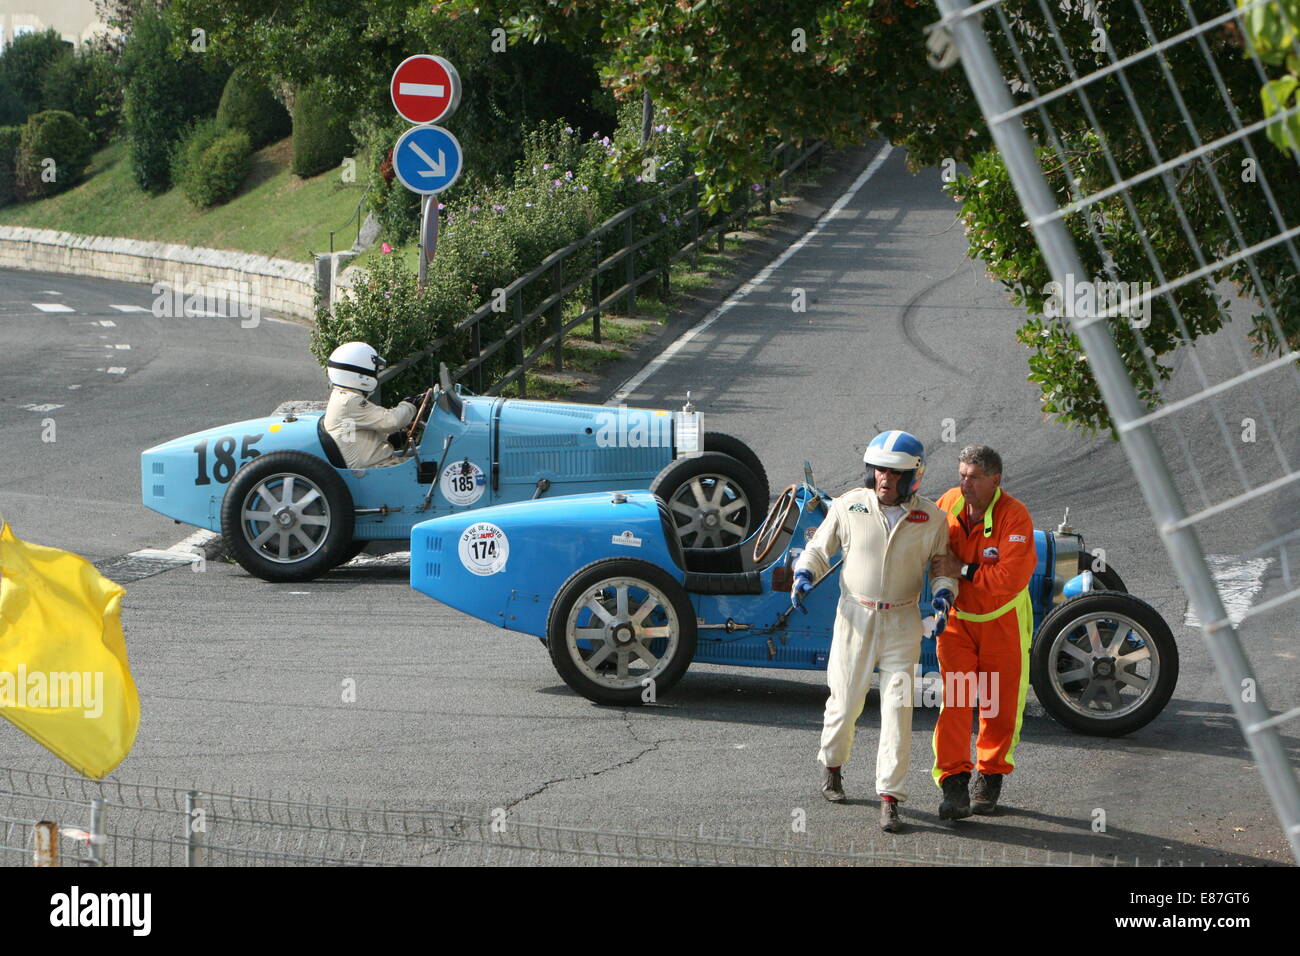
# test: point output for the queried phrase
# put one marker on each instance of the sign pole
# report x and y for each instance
(425, 251)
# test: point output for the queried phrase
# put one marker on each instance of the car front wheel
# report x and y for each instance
(621, 632)
(1104, 664)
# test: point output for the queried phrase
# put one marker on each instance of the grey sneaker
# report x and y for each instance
(832, 784)
(984, 794)
(889, 819)
(956, 797)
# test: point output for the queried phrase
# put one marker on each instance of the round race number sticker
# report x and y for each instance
(484, 548)
(463, 483)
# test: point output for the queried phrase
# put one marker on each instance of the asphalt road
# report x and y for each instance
(241, 680)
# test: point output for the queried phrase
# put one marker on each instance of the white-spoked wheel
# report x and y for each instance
(619, 627)
(285, 518)
(1105, 663)
(715, 500)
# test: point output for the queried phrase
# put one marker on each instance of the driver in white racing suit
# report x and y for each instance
(888, 535)
(358, 426)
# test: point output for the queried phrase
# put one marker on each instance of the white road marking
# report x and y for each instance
(421, 89)
(637, 380)
(1238, 582)
(51, 292)
(107, 346)
(53, 307)
(40, 408)
(71, 387)
(129, 308)
(116, 370)
(155, 554)
(108, 323)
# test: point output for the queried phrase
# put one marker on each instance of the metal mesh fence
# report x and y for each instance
(1137, 144)
(116, 823)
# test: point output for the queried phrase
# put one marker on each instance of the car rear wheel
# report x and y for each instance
(714, 499)
(1104, 664)
(287, 516)
(621, 632)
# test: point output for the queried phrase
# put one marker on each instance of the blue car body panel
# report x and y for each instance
(508, 444)
(548, 541)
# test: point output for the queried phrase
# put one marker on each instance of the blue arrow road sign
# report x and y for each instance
(427, 159)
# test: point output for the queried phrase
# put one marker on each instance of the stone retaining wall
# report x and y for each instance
(272, 285)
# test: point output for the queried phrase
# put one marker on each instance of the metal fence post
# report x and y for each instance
(95, 851)
(557, 314)
(629, 265)
(695, 222)
(519, 345)
(476, 344)
(45, 844)
(193, 834)
(595, 295)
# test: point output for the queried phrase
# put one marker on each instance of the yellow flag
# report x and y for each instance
(64, 678)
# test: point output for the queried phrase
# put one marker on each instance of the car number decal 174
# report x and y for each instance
(484, 548)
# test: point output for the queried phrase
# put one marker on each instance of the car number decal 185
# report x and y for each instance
(463, 483)
(484, 548)
(224, 465)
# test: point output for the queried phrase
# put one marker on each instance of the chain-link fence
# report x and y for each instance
(115, 823)
(1159, 176)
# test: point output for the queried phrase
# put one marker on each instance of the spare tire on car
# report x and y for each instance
(715, 500)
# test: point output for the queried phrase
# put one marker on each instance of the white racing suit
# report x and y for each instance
(359, 427)
(877, 622)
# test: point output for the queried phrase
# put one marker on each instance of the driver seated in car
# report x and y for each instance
(358, 426)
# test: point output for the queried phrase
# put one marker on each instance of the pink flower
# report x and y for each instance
(385, 248)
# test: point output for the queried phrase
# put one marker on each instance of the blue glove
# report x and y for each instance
(942, 604)
(803, 583)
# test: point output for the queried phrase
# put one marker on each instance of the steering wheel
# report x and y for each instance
(421, 416)
(770, 532)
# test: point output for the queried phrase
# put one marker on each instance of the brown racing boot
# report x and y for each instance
(889, 819)
(984, 794)
(956, 797)
(832, 784)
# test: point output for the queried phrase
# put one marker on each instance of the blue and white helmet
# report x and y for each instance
(355, 365)
(900, 451)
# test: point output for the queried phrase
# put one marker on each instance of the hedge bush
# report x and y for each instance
(321, 138)
(21, 67)
(562, 189)
(211, 163)
(9, 139)
(87, 85)
(51, 135)
(247, 104)
(165, 89)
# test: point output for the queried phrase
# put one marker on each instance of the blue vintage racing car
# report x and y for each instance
(624, 606)
(279, 490)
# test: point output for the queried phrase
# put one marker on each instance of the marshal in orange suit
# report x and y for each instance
(984, 651)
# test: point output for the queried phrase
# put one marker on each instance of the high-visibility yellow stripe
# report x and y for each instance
(988, 512)
(1025, 611)
(981, 618)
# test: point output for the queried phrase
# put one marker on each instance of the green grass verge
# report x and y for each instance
(274, 213)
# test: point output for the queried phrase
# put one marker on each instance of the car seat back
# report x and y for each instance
(332, 453)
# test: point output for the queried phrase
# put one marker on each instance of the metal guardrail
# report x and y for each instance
(788, 159)
(116, 823)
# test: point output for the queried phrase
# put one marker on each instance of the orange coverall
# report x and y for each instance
(988, 633)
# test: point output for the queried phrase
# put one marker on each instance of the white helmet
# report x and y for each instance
(355, 365)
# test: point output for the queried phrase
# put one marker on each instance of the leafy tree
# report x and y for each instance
(165, 89)
(88, 86)
(733, 74)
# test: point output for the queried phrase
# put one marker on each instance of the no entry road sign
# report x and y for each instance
(425, 89)
(427, 159)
